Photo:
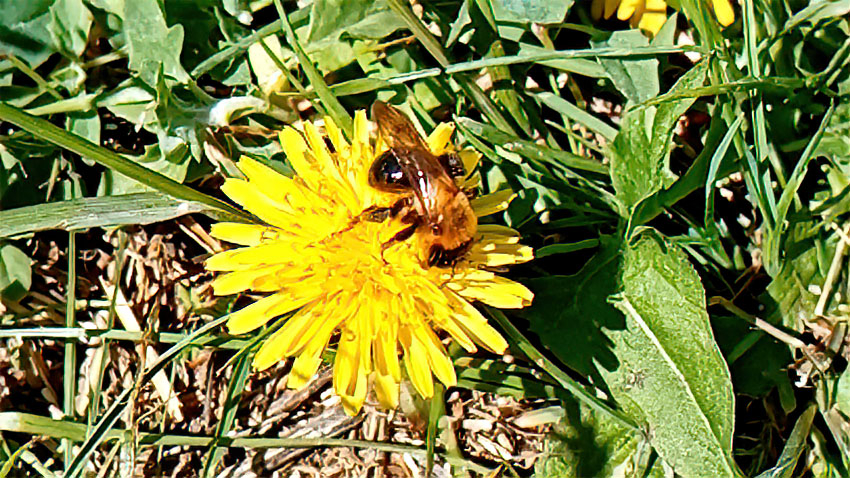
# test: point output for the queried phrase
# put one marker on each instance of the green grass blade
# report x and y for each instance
(577, 114)
(241, 371)
(84, 213)
(8, 464)
(481, 100)
(51, 133)
(714, 166)
(69, 376)
(228, 342)
(45, 426)
(334, 107)
(107, 421)
(537, 57)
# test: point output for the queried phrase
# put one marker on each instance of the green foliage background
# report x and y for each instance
(691, 282)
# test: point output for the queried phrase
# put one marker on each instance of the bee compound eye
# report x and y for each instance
(386, 171)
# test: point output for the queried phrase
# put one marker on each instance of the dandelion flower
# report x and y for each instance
(315, 261)
(650, 15)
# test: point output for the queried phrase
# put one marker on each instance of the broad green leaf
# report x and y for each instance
(578, 303)
(590, 444)
(807, 252)
(330, 19)
(70, 21)
(640, 154)
(151, 44)
(635, 78)
(758, 362)
(358, 18)
(15, 272)
(24, 30)
(199, 25)
(84, 213)
(670, 373)
(172, 164)
(537, 11)
(86, 125)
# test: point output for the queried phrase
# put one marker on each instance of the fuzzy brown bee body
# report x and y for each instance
(431, 203)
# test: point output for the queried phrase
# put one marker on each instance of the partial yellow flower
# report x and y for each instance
(650, 15)
(313, 258)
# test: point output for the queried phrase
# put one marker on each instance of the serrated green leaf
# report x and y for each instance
(70, 21)
(590, 444)
(24, 30)
(640, 153)
(151, 44)
(635, 78)
(15, 272)
(578, 303)
(670, 373)
(537, 11)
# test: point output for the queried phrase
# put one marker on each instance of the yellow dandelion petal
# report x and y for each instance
(654, 16)
(275, 348)
(439, 139)
(610, 7)
(306, 364)
(271, 184)
(498, 292)
(494, 254)
(416, 362)
(257, 314)
(353, 402)
(492, 203)
(627, 8)
(438, 361)
(336, 137)
(246, 257)
(252, 199)
(386, 389)
(325, 318)
(296, 149)
(238, 233)
(381, 306)
(239, 281)
(724, 12)
(385, 351)
(346, 363)
(475, 325)
(361, 128)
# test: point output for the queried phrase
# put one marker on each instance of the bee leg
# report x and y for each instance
(400, 236)
(381, 214)
(452, 164)
(436, 255)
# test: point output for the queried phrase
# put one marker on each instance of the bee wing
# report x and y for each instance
(427, 177)
(395, 128)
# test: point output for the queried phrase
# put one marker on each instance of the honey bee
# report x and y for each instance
(432, 203)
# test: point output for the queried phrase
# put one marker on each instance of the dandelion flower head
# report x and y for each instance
(313, 260)
(650, 15)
